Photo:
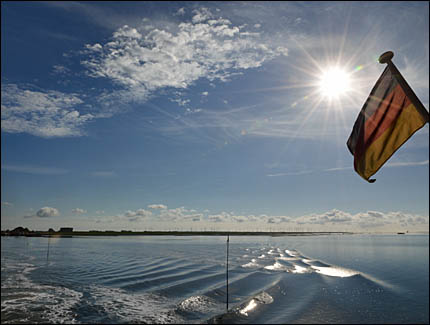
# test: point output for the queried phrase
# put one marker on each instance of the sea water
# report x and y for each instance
(166, 279)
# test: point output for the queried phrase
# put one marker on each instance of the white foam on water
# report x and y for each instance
(283, 258)
(49, 303)
(261, 298)
(291, 253)
(134, 308)
(250, 306)
(264, 298)
(335, 271)
(59, 304)
(262, 256)
(300, 269)
(253, 263)
(199, 304)
(276, 267)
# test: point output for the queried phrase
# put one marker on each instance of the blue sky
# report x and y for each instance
(204, 115)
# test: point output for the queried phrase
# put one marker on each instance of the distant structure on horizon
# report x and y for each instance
(66, 229)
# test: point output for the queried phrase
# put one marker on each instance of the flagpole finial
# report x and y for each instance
(386, 57)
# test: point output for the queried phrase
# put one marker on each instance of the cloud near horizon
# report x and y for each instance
(334, 219)
(79, 211)
(47, 212)
(157, 206)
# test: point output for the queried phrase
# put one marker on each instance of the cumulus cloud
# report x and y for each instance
(181, 102)
(331, 217)
(41, 113)
(157, 206)
(201, 14)
(60, 69)
(137, 215)
(370, 220)
(139, 60)
(274, 219)
(79, 211)
(207, 47)
(175, 214)
(47, 212)
(375, 214)
(6, 204)
(193, 217)
(333, 220)
(217, 218)
(180, 12)
(162, 214)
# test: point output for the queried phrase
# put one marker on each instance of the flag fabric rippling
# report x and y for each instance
(391, 115)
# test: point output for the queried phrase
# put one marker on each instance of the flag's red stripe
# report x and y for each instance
(383, 117)
(386, 113)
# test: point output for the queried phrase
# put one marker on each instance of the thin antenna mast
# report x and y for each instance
(47, 254)
(226, 274)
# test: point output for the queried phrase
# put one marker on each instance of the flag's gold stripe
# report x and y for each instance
(387, 112)
(408, 122)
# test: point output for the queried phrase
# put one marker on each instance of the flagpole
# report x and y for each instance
(47, 254)
(226, 274)
(386, 58)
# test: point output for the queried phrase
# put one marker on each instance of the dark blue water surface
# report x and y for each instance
(293, 279)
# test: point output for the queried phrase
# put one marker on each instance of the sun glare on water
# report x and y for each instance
(334, 83)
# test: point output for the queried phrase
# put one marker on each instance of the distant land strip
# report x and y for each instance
(30, 233)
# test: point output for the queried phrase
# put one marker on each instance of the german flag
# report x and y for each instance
(390, 116)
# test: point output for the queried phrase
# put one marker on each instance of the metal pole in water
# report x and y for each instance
(47, 254)
(226, 274)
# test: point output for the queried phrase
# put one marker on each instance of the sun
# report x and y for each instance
(334, 83)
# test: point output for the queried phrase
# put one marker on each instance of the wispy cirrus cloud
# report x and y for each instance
(36, 170)
(302, 172)
(101, 16)
(334, 169)
(407, 163)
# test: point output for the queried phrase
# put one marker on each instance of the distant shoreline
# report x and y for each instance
(175, 233)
